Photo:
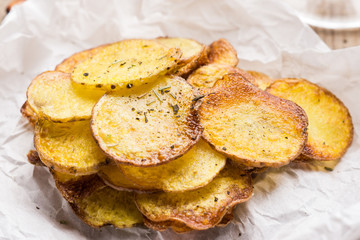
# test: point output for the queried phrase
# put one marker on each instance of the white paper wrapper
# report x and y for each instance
(289, 203)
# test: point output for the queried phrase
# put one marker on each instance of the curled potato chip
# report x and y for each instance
(52, 96)
(202, 208)
(330, 125)
(126, 64)
(28, 113)
(114, 178)
(261, 80)
(148, 125)
(107, 206)
(69, 63)
(251, 126)
(194, 169)
(222, 52)
(68, 147)
(206, 76)
(96, 204)
(191, 52)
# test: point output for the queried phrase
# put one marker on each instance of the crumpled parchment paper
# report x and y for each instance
(289, 203)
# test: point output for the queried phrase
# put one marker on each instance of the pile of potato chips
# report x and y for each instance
(168, 132)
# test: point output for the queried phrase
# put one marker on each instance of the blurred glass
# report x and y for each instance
(329, 14)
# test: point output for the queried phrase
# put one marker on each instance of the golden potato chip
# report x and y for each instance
(108, 206)
(194, 169)
(202, 208)
(148, 125)
(126, 64)
(114, 178)
(251, 126)
(69, 63)
(68, 147)
(99, 205)
(191, 52)
(52, 96)
(222, 52)
(261, 80)
(206, 76)
(330, 125)
(28, 113)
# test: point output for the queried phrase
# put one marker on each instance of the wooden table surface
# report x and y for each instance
(334, 39)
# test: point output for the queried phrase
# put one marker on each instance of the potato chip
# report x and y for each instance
(126, 64)
(222, 52)
(114, 178)
(68, 147)
(251, 126)
(330, 125)
(261, 80)
(99, 205)
(202, 208)
(194, 169)
(148, 125)
(67, 66)
(108, 206)
(28, 113)
(52, 96)
(191, 52)
(206, 76)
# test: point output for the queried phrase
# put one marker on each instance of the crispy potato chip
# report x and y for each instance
(148, 125)
(206, 76)
(68, 147)
(126, 64)
(330, 124)
(28, 113)
(251, 126)
(191, 52)
(114, 178)
(69, 63)
(261, 80)
(222, 52)
(108, 206)
(202, 208)
(99, 205)
(194, 169)
(52, 96)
